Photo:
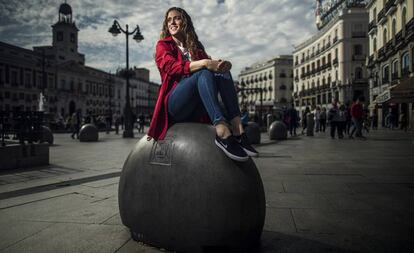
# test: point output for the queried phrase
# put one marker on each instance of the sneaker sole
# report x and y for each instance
(230, 155)
(250, 153)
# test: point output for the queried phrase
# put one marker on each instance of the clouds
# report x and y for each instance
(243, 32)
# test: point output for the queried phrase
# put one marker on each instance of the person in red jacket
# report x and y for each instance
(190, 85)
(357, 113)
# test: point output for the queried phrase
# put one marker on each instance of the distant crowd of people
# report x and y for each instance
(343, 119)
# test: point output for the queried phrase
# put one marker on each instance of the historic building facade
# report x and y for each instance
(59, 74)
(391, 58)
(331, 64)
(268, 84)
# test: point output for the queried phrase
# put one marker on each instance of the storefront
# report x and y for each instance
(394, 101)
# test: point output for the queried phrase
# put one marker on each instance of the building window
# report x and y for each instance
(384, 37)
(1, 77)
(72, 37)
(393, 27)
(404, 17)
(394, 74)
(374, 45)
(14, 78)
(385, 74)
(282, 87)
(374, 15)
(358, 73)
(405, 61)
(358, 49)
(59, 36)
(27, 80)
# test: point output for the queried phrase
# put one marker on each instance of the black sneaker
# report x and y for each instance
(231, 148)
(245, 144)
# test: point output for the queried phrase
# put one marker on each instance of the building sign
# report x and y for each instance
(383, 97)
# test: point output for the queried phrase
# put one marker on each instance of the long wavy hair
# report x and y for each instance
(190, 36)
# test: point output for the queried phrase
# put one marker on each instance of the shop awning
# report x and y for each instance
(400, 93)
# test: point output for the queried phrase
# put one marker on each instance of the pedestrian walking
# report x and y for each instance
(403, 121)
(75, 121)
(333, 118)
(322, 120)
(190, 85)
(342, 121)
(305, 119)
(141, 123)
(317, 118)
(293, 120)
(357, 113)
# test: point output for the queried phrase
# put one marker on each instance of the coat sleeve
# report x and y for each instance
(168, 63)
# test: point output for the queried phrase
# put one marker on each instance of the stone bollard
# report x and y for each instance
(278, 131)
(310, 124)
(184, 194)
(88, 132)
(253, 132)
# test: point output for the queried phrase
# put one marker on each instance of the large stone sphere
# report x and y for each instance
(88, 132)
(184, 194)
(46, 135)
(252, 131)
(278, 131)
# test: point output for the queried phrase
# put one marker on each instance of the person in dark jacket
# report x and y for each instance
(190, 85)
(292, 117)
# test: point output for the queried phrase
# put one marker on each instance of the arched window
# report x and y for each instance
(384, 37)
(405, 60)
(394, 27)
(358, 73)
(404, 17)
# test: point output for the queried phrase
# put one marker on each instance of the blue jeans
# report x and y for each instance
(198, 93)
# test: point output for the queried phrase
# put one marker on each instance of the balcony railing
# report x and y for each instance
(360, 34)
(370, 60)
(359, 57)
(390, 7)
(381, 53)
(381, 16)
(372, 25)
(385, 80)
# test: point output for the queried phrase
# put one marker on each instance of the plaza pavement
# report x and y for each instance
(322, 195)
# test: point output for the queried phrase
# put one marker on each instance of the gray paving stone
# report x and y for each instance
(68, 237)
(12, 232)
(279, 220)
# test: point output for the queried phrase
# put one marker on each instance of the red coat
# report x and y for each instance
(357, 111)
(172, 68)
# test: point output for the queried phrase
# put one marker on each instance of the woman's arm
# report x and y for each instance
(213, 65)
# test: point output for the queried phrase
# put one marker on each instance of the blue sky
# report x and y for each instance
(242, 31)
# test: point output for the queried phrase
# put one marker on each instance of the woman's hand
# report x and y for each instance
(218, 65)
(212, 65)
(224, 66)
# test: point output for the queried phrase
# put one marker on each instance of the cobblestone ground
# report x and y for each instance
(322, 195)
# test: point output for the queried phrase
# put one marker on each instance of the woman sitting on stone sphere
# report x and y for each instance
(191, 81)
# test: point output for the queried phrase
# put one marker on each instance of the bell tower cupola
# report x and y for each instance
(65, 36)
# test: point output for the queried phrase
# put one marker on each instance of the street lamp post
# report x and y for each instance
(115, 30)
